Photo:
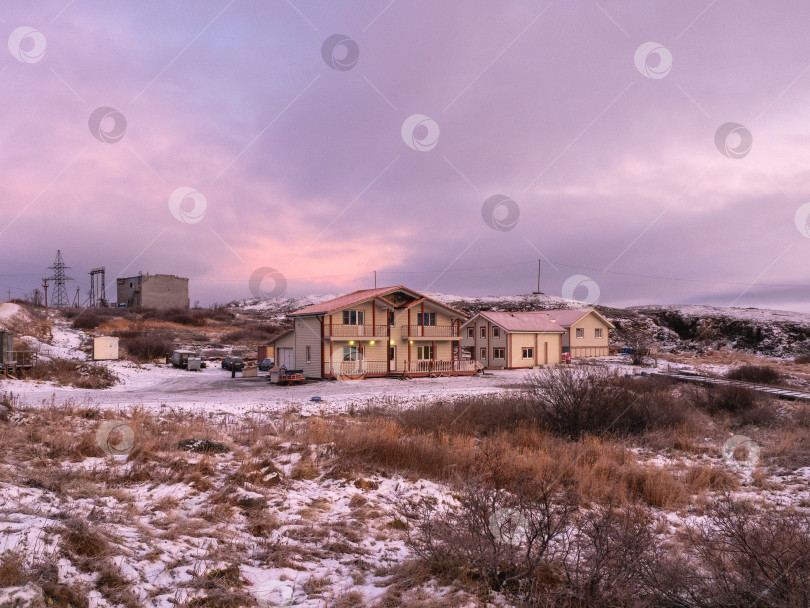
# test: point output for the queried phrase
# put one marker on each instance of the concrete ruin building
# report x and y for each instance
(153, 291)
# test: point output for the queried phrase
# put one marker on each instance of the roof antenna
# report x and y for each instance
(538, 292)
(375, 279)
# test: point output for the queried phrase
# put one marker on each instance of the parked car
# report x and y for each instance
(233, 364)
(266, 364)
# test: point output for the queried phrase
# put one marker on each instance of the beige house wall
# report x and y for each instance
(589, 345)
(308, 334)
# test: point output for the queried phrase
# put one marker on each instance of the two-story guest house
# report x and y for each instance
(512, 340)
(375, 332)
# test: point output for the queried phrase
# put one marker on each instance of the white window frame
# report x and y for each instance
(580, 332)
(309, 354)
(528, 352)
(424, 352)
(597, 332)
(350, 353)
(483, 332)
(483, 352)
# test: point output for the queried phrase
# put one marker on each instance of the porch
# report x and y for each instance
(377, 369)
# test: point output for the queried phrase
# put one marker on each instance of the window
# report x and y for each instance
(424, 353)
(426, 318)
(496, 332)
(470, 332)
(497, 353)
(483, 333)
(528, 353)
(597, 333)
(483, 353)
(580, 332)
(352, 317)
(350, 353)
(390, 317)
(309, 354)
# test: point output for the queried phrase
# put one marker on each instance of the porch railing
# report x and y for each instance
(429, 331)
(357, 368)
(440, 366)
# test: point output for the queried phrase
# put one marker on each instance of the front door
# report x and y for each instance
(392, 357)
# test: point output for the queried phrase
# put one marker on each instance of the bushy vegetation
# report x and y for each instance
(761, 374)
(144, 348)
(71, 372)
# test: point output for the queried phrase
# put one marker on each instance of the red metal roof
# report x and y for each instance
(523, 321)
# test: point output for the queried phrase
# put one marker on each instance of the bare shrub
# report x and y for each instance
(501, 537)
(572, 401)
(146, 348)
(752, 556)
(761, 374)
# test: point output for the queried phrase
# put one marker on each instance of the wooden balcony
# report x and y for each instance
(350, 332)
(429, 332)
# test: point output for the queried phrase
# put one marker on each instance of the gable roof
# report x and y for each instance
(567, 317)
(364, 295)
(555, 320)
(533, 321)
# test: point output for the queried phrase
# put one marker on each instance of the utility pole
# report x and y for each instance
(538, 292)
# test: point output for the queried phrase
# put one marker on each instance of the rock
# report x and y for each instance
(203, 446)
(29, 596)
(4, 412)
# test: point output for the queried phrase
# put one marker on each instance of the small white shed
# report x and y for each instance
(105, 349)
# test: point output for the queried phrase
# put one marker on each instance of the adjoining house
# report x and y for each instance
(153, 291)
(511, 340)
(526, 339)
(390, 331)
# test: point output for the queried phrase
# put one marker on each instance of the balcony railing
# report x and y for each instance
(355, 331)
(430, 331)
(440, 366)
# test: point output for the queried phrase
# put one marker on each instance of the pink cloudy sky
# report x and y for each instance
(304, 168)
